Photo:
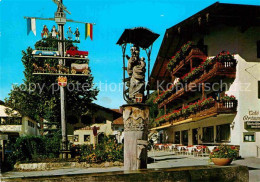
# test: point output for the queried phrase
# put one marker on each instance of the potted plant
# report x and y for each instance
(223, 155)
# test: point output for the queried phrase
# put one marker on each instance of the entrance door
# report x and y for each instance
(185, 137)
(195, 136)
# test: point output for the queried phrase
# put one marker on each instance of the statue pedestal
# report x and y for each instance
(136, 118)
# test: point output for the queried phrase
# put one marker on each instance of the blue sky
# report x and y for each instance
(111, 18)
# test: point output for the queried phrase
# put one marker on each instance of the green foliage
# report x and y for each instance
(46, 102)
(32, 148)
(180, 55)
(154, 111)
(106, 150)
(224, 151)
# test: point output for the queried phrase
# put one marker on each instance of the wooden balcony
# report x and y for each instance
(218, 71)
(193, 59)
(220, 107)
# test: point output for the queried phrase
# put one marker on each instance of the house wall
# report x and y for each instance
(245, 88)
(23, 129)
(211, 121)
(222, 37)
(118, 131)
(104, 128)
(27, 129)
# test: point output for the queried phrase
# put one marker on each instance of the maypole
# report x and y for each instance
(60, 19)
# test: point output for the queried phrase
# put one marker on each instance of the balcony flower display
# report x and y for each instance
(166, 93)
(228, 98)
(223, 155)
(193, 74)
(180, 55)
(224, 58)
(187, 110)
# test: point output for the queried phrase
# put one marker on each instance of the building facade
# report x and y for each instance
(99, 122)
(16, 125)
(207, 77)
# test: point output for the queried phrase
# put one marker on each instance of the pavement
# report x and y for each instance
(158, 159)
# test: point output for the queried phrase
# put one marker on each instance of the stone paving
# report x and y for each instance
(159, 160)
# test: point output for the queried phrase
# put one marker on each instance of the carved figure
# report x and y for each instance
(38, 69)
(136, 71)
(69, 33)
(50, 69)
(63, 69)
(45, 32)
(82, 68)
(77, 34)
(54, 32)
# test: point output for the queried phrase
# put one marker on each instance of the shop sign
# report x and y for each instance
(252, 120)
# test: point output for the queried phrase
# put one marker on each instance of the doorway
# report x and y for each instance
(195, 136)
(185, 137)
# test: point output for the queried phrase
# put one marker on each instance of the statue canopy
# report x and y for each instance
(139, 36)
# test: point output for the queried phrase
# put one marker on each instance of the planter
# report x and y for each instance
(222, 161)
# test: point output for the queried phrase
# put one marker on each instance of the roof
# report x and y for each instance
(217, 13)
(118, 121)
(4, 114)
(116, 110)
(139, 36)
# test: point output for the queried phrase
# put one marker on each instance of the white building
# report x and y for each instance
(16, 125)
(229, 27)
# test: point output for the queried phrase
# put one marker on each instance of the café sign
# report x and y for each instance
(252, 120)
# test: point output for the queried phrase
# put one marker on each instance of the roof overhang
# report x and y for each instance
(218, 13)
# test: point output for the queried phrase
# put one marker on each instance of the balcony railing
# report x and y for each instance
(225, 68)
(196, 56)
(214, 108)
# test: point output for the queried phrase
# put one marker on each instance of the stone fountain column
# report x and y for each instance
(136, 118)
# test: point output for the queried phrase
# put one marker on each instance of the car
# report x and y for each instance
(73, 51)
(45, 53)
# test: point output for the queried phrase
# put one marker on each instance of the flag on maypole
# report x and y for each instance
(31, 25)
(89, 30)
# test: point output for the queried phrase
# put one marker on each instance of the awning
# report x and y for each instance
(184, 121)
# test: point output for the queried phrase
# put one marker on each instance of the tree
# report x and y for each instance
(38, 97)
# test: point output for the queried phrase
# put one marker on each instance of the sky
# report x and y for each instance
(111, 18)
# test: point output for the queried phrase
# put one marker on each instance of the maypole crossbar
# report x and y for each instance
(53, 19)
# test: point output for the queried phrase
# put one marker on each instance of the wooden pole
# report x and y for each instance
(61, 49)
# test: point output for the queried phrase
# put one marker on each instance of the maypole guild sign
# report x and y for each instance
(252, 120)
(62, 81)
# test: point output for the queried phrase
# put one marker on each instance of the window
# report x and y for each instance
(31, 124)
(249, 136)
(177, 137)
(86, 138)
(116, 128)
(76, 138)
(223, 133)
(208, 134)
